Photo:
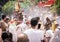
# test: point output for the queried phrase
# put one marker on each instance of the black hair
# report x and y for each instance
(38, 18)
(7, 18)
(34, 22)
(3, 16)
(6, 35)
(7, 40)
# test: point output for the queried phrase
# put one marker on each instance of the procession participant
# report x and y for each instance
(34, 32)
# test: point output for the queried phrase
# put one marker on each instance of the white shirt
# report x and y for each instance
(34, 35)
(49, 33)
(57, 32)
(22, 27)
(12, 29)
(56, 37)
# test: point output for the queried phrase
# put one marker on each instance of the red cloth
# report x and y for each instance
(41, 4)
(50, 2)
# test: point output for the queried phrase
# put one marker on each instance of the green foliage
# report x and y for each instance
(56, 7)
(57, 2)
(25, 4)
(8, 7)
(58, 10)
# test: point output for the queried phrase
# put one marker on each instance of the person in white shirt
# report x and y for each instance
(48, 32)
(33, 33)
(56, 37)
(22, 26)
(12, 29)
(49, 35)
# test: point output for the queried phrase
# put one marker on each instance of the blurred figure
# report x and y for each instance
(58, 19)
(12, 29)
(7, 19)
(39, 22)
(48, 21)
(22, 38)
(4, 25)
(54, 25)
(22, 26)
(33, 33)
(48, 32)
(56, 37)
(7, 37)
(0, 33)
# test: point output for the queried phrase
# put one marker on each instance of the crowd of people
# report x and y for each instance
(15, 30)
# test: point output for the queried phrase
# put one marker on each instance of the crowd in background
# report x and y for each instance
(17, 30)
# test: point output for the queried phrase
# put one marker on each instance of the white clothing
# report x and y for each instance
(49, 33)
(56, 37)
(34, 35)
(12, 29)
(57, 32)
(58, 20)
(22, 27)
(29, 18)
(16, 30)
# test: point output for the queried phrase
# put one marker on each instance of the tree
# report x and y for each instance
(8, 8)
(56, 7)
